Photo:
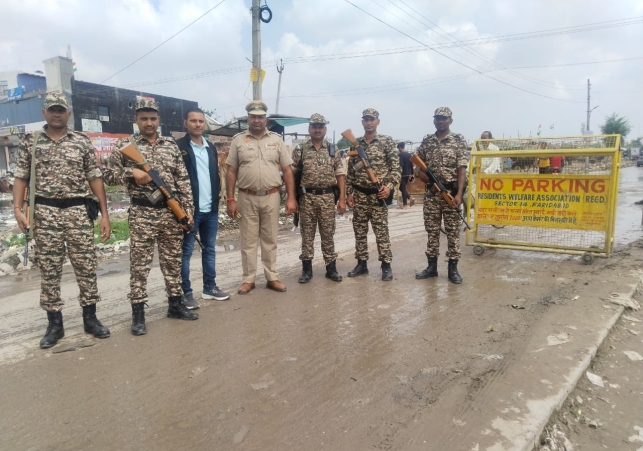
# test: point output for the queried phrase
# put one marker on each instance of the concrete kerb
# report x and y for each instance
(554, 403)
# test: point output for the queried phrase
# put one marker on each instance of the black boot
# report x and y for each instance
(331, 272)
(177, 310)
(306, 272)
(92, 324)
(454, 276)
(387, 272)
(55, 330)
(360, 269)
(431, 270)
(138, 319)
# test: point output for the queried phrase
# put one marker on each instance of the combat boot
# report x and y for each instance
(306, 272)
(331, 272)
(177, 310)
(454, 276)
(55, 330)
(138, 319)
(92, 324)
(430, 271)
(387, 272)
(360, 269)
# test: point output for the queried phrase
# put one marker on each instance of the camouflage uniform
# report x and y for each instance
(386, 163)
(319, 171)
(443, 158)
(147, 224)
(63, 169)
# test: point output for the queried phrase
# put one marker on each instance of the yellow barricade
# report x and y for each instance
(553, 194)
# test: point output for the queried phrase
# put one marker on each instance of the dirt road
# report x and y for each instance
(405, 365)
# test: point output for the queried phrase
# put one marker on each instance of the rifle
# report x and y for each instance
(298, 189)
(437, 184)
(365, 162)
(26, 205)
(131, 151)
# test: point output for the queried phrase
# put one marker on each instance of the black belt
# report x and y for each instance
(365, 190)
(60, 203)
(318, 191)
(144, 202)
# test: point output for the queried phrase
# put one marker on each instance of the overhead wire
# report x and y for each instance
(459, 62)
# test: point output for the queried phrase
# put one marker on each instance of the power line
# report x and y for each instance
(459, 62)
(167, 40)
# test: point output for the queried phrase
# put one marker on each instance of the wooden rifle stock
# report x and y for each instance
(350, 137)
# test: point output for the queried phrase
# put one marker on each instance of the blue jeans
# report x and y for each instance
(207, 224)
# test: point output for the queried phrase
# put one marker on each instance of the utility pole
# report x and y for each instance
(280, 69)
(589, 110)
(256, 49)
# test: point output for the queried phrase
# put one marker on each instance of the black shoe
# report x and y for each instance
(429, 271)
(92, 324)
(454, 276)
(138, 319)
(360, 269)
(387, 272)
(179, 311)
(55, 330)
(331, 272)
(306, 272)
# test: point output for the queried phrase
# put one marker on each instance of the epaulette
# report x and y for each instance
(81, 134)
(274, 133)
(240, 133)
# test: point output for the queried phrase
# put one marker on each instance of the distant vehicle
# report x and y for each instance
(639, 161)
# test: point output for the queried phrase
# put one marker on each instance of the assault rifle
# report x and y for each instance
(299, 169)
(364, 161)
(26, 205)
(130, 151)
(439, 186)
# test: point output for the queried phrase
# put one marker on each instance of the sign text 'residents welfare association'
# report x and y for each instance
(562, 202)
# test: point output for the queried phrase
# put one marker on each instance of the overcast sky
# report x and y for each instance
(405, 87)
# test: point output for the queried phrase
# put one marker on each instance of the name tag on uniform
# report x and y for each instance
(271, 144)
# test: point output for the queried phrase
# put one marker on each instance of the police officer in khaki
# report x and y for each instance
(256, 156)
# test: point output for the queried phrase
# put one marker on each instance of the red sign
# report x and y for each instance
(104, 143)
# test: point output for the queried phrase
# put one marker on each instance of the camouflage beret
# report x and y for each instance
(257, 107)
(317, 119)
(443, 111)
(371, 112)
(146, 104)
(56, 98)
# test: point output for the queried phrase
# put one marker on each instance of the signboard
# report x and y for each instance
(12, 130)
(104, 143)
(14, 93)
(91, 125)
(562, 202)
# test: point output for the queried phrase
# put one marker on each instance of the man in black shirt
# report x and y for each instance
(407, 174)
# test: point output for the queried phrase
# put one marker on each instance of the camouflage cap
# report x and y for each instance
(143, 104)
(372, 112)
(55, 98)
(257, 107)
(317, 119)
(443, 111)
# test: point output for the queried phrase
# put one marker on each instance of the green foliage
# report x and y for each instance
(120, 232)
(616, 125)
(343, 144)
(16, 240)
(114, 189)
(636, 143)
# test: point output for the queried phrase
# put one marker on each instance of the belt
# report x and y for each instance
(318, 191)
(365, 190)
(144, 202)
(264, 192)
(60, 203)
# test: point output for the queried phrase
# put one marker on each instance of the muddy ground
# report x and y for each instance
(406, 365)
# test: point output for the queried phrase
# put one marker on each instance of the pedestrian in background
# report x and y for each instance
(201, 161)
(407, 175)
(64, 163)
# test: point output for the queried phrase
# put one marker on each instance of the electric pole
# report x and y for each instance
(256, 49)
(280, 69)
(589, 110)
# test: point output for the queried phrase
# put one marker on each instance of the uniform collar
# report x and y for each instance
(68, 132)
(310, 145)
(375, 138)
(447, 136)
(140, 138)
(265, 132)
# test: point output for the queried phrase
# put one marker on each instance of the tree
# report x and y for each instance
(636, 143)
(343, 144)
(616, 125)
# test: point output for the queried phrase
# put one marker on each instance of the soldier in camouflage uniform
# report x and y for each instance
(444, 152)
(365, 199)
(152, 222)
(64, 164)
(321, 171)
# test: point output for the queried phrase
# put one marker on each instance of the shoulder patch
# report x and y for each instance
(240, 133)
